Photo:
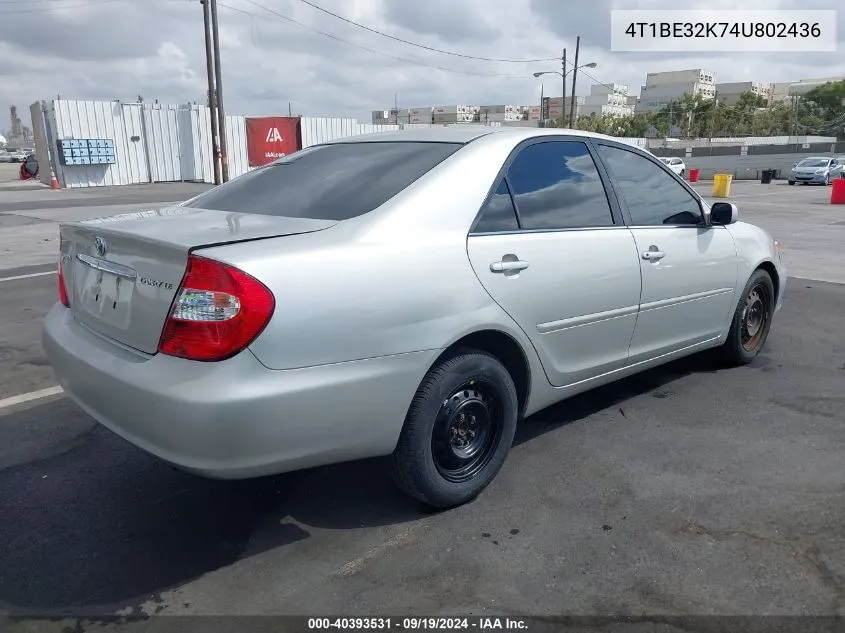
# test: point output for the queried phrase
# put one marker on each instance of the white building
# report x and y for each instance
(786, 90)
(606, 99)
(694, 75)
(729, 93)
(662, 88)
(554, 110)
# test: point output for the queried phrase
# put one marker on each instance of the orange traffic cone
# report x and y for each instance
(54, 182)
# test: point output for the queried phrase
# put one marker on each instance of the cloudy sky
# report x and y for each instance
(107, 49)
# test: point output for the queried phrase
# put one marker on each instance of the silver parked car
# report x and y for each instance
(819, 170)
(410, 294)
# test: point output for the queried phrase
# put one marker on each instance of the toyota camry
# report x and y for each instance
(411, 295)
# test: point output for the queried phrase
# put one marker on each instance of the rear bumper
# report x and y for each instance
(235, 419)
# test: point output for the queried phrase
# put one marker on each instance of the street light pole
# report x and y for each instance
(542, 99)
(574, 75)
(212, 94)
(221, 116)
(563, 75)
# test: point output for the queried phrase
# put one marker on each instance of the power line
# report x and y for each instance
(445, 52)
(423, 46)
(366, 48)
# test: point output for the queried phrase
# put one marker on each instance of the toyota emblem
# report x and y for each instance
(100, 246)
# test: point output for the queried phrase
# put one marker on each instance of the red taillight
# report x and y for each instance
(218, 311)
(62, 289)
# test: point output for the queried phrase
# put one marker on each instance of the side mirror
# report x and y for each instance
(723, 213)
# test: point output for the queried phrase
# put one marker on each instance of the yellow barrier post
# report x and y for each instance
(722, 185)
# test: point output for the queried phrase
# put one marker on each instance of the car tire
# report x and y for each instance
(443, 459)
(752, 319)
(790, 182)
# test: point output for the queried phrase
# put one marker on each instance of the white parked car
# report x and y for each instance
(676, 165)
(5, 157)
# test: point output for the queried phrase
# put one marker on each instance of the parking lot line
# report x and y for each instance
(27, 397)
(49, 272)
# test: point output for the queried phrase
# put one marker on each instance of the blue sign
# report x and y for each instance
(89, 151)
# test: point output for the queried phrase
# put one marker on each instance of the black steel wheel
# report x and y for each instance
(466, 432)
(458, 431)
(752, 320)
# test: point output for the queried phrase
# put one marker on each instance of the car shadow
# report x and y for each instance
(614, 394)
(104, 525)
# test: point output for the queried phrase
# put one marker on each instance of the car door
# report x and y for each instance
(551, 248)
(689, 268)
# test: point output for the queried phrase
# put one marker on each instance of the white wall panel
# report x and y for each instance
(201, 126)
(321, 130)
(91, 119)
(162, 128)
(236, 140)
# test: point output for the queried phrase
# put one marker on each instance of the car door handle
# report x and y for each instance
(509, 266)
(653, 256)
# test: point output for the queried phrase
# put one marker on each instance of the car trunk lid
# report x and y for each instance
(122, 273)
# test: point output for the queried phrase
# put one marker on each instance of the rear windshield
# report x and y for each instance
(328, 182)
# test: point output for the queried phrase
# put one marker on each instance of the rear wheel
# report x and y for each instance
(458, 430)
(752, 320)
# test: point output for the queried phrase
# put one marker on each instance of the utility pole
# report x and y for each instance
(542, 99)
(574, 75)
(221, 116)
(563, 89)
(212, 93)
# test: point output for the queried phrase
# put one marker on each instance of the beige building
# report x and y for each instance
(729, 93)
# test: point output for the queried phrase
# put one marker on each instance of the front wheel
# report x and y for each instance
(458, 431)
(791, 182)
(752, 320)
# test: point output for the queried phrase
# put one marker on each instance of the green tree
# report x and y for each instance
(829, 99)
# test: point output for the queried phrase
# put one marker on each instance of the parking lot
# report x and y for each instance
(686, 490)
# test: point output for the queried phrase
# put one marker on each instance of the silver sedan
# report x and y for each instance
(411, 295)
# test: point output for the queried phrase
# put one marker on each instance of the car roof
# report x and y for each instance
(818, 157)
(462, 134)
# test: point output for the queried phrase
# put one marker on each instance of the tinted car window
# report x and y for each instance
(556, 185)
(329, 182)
(653, 196)
(499, 213)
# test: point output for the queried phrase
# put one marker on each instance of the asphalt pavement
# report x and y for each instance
(687, 490)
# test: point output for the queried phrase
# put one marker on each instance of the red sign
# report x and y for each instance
(270, 138)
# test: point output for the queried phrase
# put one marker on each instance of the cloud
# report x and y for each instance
(108, 49)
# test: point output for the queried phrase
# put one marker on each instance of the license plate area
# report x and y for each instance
(103, 298)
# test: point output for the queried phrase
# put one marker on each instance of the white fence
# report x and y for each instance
(168, 143)
(162, 143)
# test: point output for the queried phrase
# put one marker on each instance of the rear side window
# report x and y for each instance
(499, 213)
(329, 182)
